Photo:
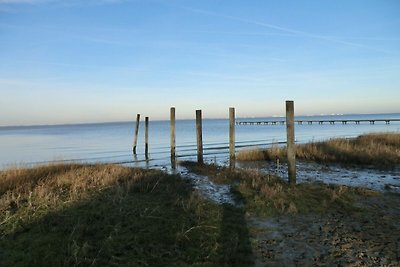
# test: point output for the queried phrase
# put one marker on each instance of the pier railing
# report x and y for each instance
(275, 122)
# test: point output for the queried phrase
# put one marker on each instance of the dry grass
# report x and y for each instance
(53, 187)
(381, 150)
(272, 153)
(107, 215)
(266, 194)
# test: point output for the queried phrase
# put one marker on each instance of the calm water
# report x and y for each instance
(112, 142)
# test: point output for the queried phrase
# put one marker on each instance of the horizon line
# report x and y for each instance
(162, 120)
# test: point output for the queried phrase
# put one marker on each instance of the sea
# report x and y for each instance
(27, 146)
(112, 142)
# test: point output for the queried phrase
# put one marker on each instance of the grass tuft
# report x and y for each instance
(271, 154)
(380, 150)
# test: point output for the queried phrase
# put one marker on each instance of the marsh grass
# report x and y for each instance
(272, 154)
(269, 195)
(380, 150)
(109, 215)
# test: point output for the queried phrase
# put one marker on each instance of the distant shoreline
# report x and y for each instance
(163, 120)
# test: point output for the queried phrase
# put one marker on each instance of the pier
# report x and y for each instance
(275, 122)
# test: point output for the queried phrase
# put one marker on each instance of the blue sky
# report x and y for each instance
(106, 60)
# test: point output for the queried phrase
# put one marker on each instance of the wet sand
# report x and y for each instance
(367, 238)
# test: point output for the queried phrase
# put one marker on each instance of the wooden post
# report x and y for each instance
(146, 142)
(199, 137)
(291, 148)
(173, 145)
(232, 138)
(136, 133)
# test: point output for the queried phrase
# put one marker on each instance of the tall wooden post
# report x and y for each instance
(173, 145)
(199, 137)
(146, 137)
(136, 133)
(291, 148)
(232, 138)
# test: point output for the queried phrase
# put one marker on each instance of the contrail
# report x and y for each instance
(284, 29)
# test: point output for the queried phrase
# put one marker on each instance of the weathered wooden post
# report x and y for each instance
(173, 145)
(291, 148)
(146, 137)
(199, 137)
(232, 138)
(136, 133)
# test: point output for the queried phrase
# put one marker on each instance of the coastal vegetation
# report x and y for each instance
(380, 150)
(108, 215)
(312, 224)
(269, 195)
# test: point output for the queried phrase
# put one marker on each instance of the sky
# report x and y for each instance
(106, 60)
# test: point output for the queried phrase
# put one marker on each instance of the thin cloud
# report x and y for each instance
(284, 29)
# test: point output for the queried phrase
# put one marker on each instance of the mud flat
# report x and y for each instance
(367, 238)
(314, 223)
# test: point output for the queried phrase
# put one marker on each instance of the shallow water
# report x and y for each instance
(216, 192)
(379, 180)
(112, 142)
(356, 176)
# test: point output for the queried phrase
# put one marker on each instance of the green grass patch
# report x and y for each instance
(108, 215)
(269, 195)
